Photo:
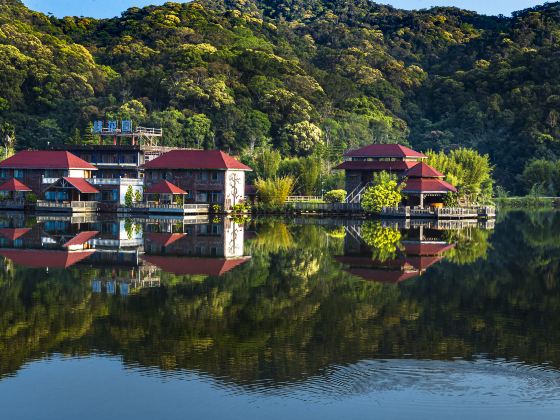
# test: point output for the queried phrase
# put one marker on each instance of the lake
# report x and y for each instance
(275, 319)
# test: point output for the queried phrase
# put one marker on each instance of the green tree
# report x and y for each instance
(384, 192)
(129, 197)
(274, 191)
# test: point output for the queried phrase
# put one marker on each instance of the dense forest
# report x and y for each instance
(301, 76)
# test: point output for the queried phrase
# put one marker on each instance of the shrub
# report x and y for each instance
(274, 191)
(384, 192)
(335, 196)
(128, 197)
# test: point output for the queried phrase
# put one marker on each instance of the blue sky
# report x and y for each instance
(110, 8)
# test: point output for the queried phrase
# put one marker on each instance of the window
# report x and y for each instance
(215, 176)
(202, 176)
(18, 173)
(3, 173)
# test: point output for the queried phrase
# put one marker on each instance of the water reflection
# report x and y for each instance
(270, 304)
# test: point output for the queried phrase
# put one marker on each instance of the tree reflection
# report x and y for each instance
(292, 309)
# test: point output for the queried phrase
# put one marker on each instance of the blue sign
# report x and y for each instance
(98, 126)
(126, 126)
(113, 125)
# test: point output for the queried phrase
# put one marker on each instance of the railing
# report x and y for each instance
(115, 181)
(12, 203)
(328, 207)
(48, 180)
(149, 131)
(155, 205)
(303, 199)
(68, 204)
(444, 212)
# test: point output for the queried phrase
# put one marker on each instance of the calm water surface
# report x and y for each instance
(276, 319)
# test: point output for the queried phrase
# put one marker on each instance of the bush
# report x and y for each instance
(384, 192)
(240, 208)
(274, 191)
(335, 196)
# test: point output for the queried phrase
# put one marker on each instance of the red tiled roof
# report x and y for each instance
(427, 249)
(45, 159)
(165, 239)
(195, 266)
(13, 234)
(423, 263)
(196, 159)
(380, 165)
(421, 170)
(427, 185)
(82, 185)
(383, 276)
(165, 187)
(385, 151)
(81, 238)
(14, 185)
(34, 258)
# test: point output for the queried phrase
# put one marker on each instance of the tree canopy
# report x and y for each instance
(300, 76)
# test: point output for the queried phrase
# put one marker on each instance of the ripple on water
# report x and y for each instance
(482, 382)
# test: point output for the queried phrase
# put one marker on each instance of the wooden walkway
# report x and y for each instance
(481, 212)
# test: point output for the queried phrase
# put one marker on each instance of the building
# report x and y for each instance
(423, 184)
(207, 176)
(38, 169)
(360, 165)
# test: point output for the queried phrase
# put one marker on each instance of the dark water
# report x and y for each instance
(172, 319)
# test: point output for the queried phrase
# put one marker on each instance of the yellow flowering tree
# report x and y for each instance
(385, 191)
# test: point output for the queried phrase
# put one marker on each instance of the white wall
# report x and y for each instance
(229, 189)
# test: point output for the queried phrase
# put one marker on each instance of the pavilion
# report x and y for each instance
(166, 192)
(15, 191)
(424, 185)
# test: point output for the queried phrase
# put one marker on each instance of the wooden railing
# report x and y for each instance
(444, 212)
(303, 199)
(12, 203)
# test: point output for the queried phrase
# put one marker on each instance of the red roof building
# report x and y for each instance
(360, 165)
(34, 258)
(37, 169)
(424, 185)
(209, 176)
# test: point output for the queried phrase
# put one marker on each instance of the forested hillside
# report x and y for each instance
(302, 76)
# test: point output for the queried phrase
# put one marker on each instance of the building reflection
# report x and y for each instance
(127, 254)
(395, 251)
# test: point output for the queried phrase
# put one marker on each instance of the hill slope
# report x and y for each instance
(303, 75)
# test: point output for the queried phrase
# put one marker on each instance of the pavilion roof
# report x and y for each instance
(427, 185)
(81, 185)
(385, 151)
(165, 239)
(165, 187)
(378, 165)
(13, 185)
(422, 170)
(81, 238)
(13, 234)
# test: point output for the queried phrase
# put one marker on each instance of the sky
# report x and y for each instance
(110, 8)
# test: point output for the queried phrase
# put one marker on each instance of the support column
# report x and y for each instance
(421, 200)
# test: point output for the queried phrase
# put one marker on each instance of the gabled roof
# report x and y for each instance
(195, 266)
(379, 165)
(45, 159)
(34, 258)
(421, 170)
(165, 239)
(385, 151)
(14, 185)
(81, 185)
(427, 185)
(196, 159)
(81, 238)
(165, 187)
(13, 234)
(427, 248)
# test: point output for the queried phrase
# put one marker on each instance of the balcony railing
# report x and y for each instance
(68, 204)
(49, 180)
(116, 181)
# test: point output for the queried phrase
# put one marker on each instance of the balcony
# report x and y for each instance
(116, 181)
(68, 206)
(50, 180)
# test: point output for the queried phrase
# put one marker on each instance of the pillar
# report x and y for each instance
(421, 200)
